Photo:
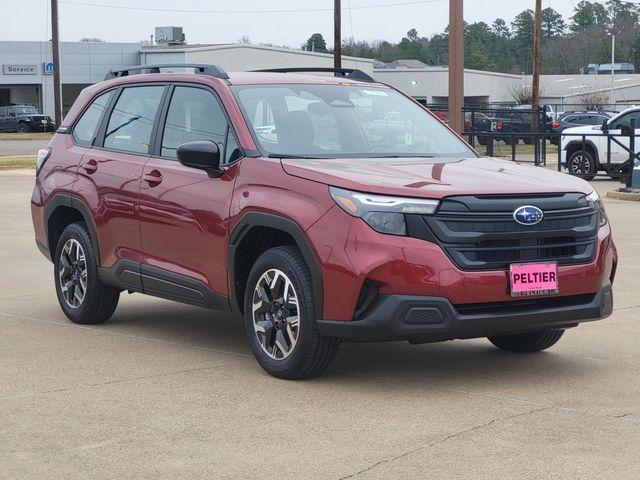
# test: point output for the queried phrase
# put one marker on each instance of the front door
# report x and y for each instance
(183, 212)
(620, 154)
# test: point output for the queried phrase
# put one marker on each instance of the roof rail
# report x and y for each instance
(201, 68)
(351, 73)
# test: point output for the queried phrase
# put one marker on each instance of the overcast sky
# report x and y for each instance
(371, 19)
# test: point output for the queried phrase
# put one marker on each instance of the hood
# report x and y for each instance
(434, 177)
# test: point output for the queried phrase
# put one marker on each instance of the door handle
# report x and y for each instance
(153, 178)
(90, 167)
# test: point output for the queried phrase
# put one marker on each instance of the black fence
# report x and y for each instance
(526, 135)
(602, 153)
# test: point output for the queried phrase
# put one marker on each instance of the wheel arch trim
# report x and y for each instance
(251, 220)
(587, 143)
(75, 203)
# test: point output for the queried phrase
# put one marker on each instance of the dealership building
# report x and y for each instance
(26, 72)
(26, 75)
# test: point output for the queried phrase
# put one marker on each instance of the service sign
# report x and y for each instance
(20, 69)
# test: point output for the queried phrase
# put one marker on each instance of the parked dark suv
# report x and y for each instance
(319, 208)
(24, 119)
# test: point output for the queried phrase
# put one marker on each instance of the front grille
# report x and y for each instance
(479, 233)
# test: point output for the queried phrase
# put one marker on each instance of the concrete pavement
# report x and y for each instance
(171, 391)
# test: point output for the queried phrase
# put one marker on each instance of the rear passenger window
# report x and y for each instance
(131, 122)
(87, 127)
(195, 114)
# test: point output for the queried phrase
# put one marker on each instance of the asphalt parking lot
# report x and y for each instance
(171, 391)
(22, 147)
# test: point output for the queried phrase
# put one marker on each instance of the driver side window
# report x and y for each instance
(625, 120)
(195, 115)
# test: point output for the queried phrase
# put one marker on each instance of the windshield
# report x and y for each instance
(332, 121)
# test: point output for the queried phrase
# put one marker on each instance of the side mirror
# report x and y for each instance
(605, 126)
(204, 155)
(626, 130)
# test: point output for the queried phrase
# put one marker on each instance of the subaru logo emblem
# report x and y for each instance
(528, 215)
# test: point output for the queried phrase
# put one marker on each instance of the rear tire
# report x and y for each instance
(280, 317)
(23, 128)
(527, 342)
(84, 299)
(582, 166)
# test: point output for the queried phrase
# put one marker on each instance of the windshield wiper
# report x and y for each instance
(395, 155)
(286, 155)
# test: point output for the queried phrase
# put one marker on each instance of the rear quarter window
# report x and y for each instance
(131, 122)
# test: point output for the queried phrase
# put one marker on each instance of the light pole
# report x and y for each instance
(612, 95)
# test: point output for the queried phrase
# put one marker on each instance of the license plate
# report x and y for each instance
(531, 279)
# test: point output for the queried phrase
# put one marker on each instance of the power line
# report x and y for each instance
(220, 12)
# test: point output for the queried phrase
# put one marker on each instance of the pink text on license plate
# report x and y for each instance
(534, 279)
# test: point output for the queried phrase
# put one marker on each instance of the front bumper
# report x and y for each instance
(422, 319)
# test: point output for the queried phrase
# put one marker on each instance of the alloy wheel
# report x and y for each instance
(581, 165)
(72, 273)
(276, 314)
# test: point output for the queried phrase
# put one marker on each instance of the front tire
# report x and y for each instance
(23, 128)
(527, 342)
(583, 166)
(280, 317)
(84, 299)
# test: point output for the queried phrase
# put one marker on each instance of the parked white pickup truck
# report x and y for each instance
(586, 162)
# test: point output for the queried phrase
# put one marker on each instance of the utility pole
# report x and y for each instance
(535, 87)
(55, 47)
(456, 65)
(337, 35)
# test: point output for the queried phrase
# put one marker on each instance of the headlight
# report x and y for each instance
(384, 214)
(596, 203)
(43, 156)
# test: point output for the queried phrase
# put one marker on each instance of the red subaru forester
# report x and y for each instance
(320, 208)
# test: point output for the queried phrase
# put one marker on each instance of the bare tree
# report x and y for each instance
(522, 94)
(594, 100)
(244, 40)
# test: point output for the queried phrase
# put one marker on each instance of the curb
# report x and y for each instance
(629, 196)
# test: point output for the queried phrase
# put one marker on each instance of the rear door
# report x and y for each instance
(183, 212)
(110, 173)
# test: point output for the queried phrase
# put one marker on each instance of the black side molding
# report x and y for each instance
(157, 282)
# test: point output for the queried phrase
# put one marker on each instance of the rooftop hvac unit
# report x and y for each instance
(170, 36)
